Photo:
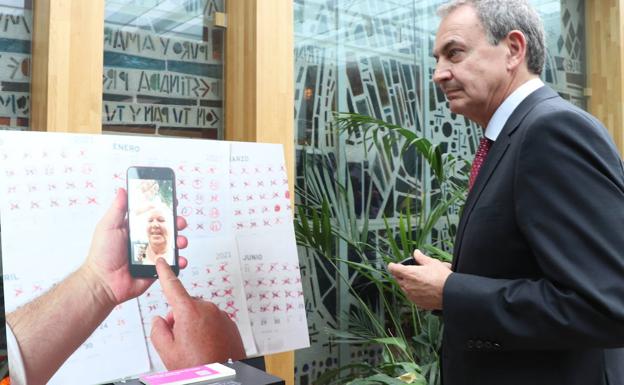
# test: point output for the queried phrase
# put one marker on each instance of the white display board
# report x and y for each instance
(242, 253)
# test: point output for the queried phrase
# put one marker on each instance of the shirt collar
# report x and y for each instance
(504, 111)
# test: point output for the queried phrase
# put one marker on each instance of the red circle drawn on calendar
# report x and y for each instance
(277, 208)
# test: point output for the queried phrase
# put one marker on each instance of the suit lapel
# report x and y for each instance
(493, 158)
(496, 153)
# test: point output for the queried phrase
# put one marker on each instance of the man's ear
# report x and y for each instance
(517, 46)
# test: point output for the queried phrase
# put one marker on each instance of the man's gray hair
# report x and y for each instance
(499, 17)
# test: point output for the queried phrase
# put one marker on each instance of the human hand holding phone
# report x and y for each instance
(194, 332)
(424, 284)
(108, 254)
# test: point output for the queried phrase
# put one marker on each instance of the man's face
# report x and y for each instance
(157, 228)
(471, 72)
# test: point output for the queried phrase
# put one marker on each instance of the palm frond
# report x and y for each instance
(326, 222)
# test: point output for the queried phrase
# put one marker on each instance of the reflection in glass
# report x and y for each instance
(163, 67)
(374, 57)
(15, 55)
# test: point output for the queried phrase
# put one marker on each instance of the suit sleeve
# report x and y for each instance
(569, 205)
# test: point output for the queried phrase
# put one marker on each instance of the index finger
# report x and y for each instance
(172, 287)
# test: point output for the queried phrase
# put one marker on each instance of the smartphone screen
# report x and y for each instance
(151, 219)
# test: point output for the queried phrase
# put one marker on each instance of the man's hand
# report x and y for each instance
(67, 314)
(107, 262)
(195, 332)
(422, 284)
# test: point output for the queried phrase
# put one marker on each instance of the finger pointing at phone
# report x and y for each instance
(195, 332)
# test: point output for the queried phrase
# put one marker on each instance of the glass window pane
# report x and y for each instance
(374, 57)
(163, 68)
(564, 23)
(15, 58)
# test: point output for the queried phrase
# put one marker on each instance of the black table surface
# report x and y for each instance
(245, 375)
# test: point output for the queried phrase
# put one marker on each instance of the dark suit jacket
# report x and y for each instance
(537, 296)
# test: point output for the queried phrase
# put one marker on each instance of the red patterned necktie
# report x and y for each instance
(482, 151)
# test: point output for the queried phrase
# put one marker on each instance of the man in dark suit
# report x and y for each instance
(536, 291)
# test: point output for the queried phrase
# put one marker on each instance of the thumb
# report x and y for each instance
(395, 269)
(116, 213)
(421, 258)
(161, 336)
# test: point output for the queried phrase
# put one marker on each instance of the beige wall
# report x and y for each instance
(68, 52)
(605, 64)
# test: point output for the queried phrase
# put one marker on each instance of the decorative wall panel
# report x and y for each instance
(374, 57)
(15, 55)
(163, 67)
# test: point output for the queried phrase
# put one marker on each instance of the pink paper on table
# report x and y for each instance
(210, 372)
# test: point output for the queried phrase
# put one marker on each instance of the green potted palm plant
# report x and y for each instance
(326, 222)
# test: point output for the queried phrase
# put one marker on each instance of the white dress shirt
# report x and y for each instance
(504, 111)
(16, 364)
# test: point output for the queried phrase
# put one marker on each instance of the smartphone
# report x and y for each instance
(151, 219)
(410, 261)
